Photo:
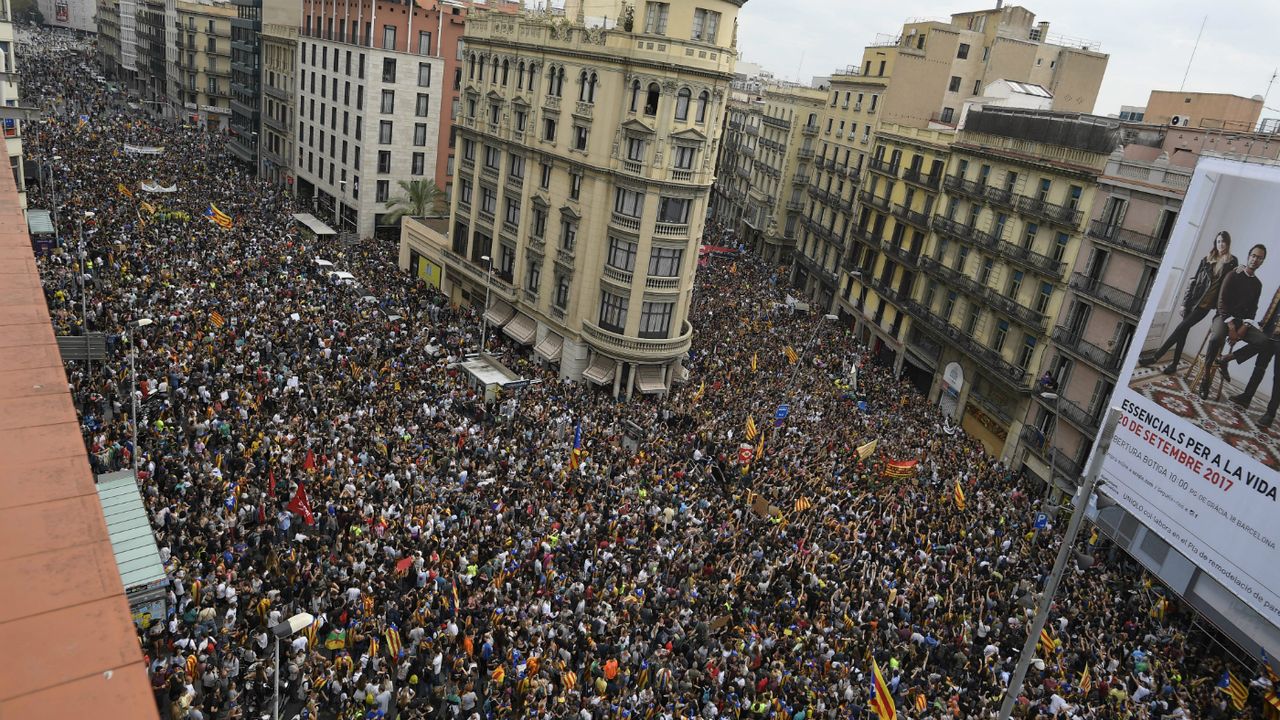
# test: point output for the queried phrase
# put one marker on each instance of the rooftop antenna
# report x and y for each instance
(1193, 54)
(1267, 95)
(799, 65)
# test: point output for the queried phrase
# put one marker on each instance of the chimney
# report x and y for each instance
(999, 4)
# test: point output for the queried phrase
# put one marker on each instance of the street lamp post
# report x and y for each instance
(1080, 503)
(1053, 448)
(484, 321)
(288, 628)
(829, 317)
(84, 288)
(133, 328)
(342, 190)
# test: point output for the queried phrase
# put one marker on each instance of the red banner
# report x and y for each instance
(302, 506)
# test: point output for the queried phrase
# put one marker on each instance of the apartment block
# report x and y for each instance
(368, 112)
(1140, 194)
(835, 144)
(200, 75)
(71, 14)
(933, 66)
(116, 21)
(901, 192)
(1008, 226)
(587, 155)
(9, 96)
(246, 72)
(1221, 111)
(754, 191)
(277, 129)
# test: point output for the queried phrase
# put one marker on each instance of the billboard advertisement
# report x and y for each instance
(1196, 455)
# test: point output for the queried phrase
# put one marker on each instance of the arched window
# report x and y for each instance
(533, 76)
(582, 86)
(635, 94)
(506, 68)
(682, 104)
(520, 77)
(558, 78)
(482, 59)
(703, 98)
(651, 100)
(494, 79)
(551, 81)
(471, 66)
(591, 88)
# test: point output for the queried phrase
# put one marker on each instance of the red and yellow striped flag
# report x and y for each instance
(1086, 682)
(958, 494)
(1047, 643)
(881, 698)
(751, 428)
(216, 318)
(755, 361)
(791, 354)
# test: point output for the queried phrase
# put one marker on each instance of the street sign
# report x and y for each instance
(1042, 521)
(782, 412)
(516, 385)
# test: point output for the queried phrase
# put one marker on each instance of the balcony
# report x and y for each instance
(1031, 259)
(1087, 422)
(812, 267)
(955, 183)
(744, 173)
(1075, 344)
(982, 354)
(918, 219)
(617, 275)
(1148, 246)
(903, 255)
(776, 122)
(671, 230)
(809, 130)
(662, 283)
(641, 349)
(747, 150)
(804, 153)
(1043, 447)
(1117, 299)
(868, 198)
(800, 178)
(1059, 214)
(626, 222)
(928, 182)
(632, 167)
(682, 175)
(752, 130)
(946, 226)
(883, 167)
(794, 206)
(735, 125)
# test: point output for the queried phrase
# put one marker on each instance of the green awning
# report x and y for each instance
(40, 222)
(132, 539)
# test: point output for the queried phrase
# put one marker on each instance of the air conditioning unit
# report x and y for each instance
(1180, 121)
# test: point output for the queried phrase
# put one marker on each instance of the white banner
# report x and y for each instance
(142, 150)
(1197, 467)
(154, 187)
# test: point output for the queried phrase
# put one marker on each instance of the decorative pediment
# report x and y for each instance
(569, 212)
(495, 96)
(689, 135)
(519, 101)
(636, 126)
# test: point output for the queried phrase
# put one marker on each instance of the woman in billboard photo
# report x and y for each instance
(1199, 301)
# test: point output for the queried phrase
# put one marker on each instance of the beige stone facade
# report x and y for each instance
(200, 79)
(755, 186)
(1204, 110)
(586, 157)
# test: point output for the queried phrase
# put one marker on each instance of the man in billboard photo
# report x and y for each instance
(1238, 302)
(1264, 344)
(1199, 301)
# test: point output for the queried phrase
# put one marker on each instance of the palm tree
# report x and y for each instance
(419, 198)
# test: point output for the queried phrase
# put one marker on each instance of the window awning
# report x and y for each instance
(314, 224)
(498, 313)
(522, 329)
(649, 379)
(601, 370)
(550, 347)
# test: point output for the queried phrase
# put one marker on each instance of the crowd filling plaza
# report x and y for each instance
(302, 451)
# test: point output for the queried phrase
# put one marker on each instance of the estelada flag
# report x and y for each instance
(1086, 682)
(125, 191)
(881, 698)
(302, 506)
(958, 494)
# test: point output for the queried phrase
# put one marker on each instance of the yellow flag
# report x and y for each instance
(755, 361)
(791, 354)
(865, 451)
(751, 428)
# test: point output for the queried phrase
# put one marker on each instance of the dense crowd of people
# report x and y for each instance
(463, 564)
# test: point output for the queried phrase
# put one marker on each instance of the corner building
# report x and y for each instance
(587, 151)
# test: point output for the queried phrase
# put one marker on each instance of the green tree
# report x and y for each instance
(419, 198)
